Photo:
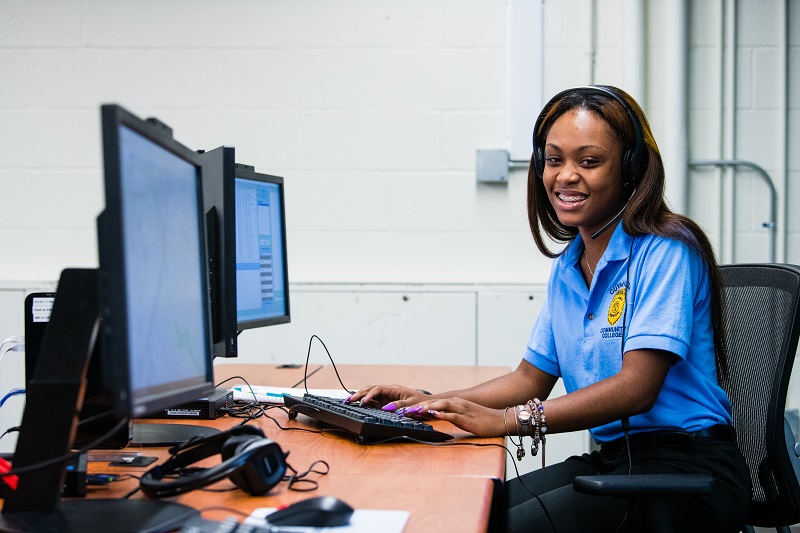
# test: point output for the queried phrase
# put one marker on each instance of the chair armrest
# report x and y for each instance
(644, 485)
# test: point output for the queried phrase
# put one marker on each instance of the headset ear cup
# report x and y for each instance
(250, 460)
(234, 445)
(263, 469)
(627, 169)
(538, 161)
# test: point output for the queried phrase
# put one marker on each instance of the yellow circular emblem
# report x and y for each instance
(617, 306)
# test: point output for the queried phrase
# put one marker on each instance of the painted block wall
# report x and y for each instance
(373, 111)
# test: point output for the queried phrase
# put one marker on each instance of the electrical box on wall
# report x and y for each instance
(491, 166)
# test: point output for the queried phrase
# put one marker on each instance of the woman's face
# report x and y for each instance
(582, 172)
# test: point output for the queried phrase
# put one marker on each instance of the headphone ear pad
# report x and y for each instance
(627, 168)
(538, 161)
(234, 445)
(264, 464)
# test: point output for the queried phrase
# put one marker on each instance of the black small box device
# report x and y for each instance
(208, 408)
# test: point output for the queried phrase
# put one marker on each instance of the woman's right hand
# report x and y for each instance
(388, 397)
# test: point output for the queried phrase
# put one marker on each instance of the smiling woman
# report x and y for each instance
(582, 173)
(632, 324)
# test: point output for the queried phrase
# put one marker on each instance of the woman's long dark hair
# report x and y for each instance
(647, 212)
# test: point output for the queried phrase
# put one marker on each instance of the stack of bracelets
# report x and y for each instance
(527, 415)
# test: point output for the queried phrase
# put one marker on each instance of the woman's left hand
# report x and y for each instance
(471, 417)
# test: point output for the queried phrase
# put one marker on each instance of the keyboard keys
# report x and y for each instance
(367, 423)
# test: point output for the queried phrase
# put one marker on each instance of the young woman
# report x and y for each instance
(632, 324)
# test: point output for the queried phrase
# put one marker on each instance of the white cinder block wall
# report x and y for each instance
(373, 111)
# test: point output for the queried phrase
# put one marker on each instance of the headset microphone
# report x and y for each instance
(616, 217)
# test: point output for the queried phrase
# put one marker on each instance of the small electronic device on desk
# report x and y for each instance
(367, 423)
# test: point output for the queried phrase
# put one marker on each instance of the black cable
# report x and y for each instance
(66, 457)
(131, 493)
(625, 422)
(306, 430)
(308, 358)
(296, 477)
(94, 418)
(392, 439)
(14, 429)
(244, 411)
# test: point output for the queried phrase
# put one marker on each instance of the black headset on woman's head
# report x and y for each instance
(634, 161)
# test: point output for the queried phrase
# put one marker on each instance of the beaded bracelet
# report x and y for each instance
(536, 428)
(542, 425)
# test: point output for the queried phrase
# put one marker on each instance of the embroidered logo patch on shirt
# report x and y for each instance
(617, 306)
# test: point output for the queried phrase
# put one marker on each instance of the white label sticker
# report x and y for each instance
(42, 307)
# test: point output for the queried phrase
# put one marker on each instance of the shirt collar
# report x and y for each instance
(618, 249)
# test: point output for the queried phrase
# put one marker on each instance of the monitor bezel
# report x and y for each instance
(249, 172)
(115, 335)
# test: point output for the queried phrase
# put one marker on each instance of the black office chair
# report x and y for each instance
(762, 304)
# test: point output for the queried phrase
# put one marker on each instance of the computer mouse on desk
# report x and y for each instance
(321, 511)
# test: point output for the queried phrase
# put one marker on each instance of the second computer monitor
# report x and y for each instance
(262, 284)
(247, 248)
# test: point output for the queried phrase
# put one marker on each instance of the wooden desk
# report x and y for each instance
(446, 487)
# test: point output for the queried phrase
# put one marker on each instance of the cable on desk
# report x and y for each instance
(308, 358)
(249, 411)
(300, 477)
(55, 460)
(95, 418)
(343, 432)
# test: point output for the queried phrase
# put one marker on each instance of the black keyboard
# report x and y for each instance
(367, 423)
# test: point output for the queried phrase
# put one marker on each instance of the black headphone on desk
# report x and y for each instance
(634, 161)
(253, 462)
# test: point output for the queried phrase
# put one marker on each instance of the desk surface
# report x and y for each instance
(445, 487)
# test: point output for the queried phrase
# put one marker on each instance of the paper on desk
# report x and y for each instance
(362, 521)
(274, 395)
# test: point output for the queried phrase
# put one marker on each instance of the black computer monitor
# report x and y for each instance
(149, 298)
(246, 227)
(151, 238)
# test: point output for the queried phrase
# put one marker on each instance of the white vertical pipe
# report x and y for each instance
(783, 131)
(729, 134)
(634, 51)
(676, 153)
(592, 45)
(718, 122)
(525, 73)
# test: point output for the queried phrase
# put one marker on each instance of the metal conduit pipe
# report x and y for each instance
(675, 78)
(770, 224)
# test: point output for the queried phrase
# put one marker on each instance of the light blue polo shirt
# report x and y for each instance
(658, 289)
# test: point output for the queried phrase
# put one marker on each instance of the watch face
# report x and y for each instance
(524, 415)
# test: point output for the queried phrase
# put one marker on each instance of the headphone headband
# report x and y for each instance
(252, 461)
(634, 161)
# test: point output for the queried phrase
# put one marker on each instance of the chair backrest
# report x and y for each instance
(762, 304)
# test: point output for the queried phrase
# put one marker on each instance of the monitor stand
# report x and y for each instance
(156, 434)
